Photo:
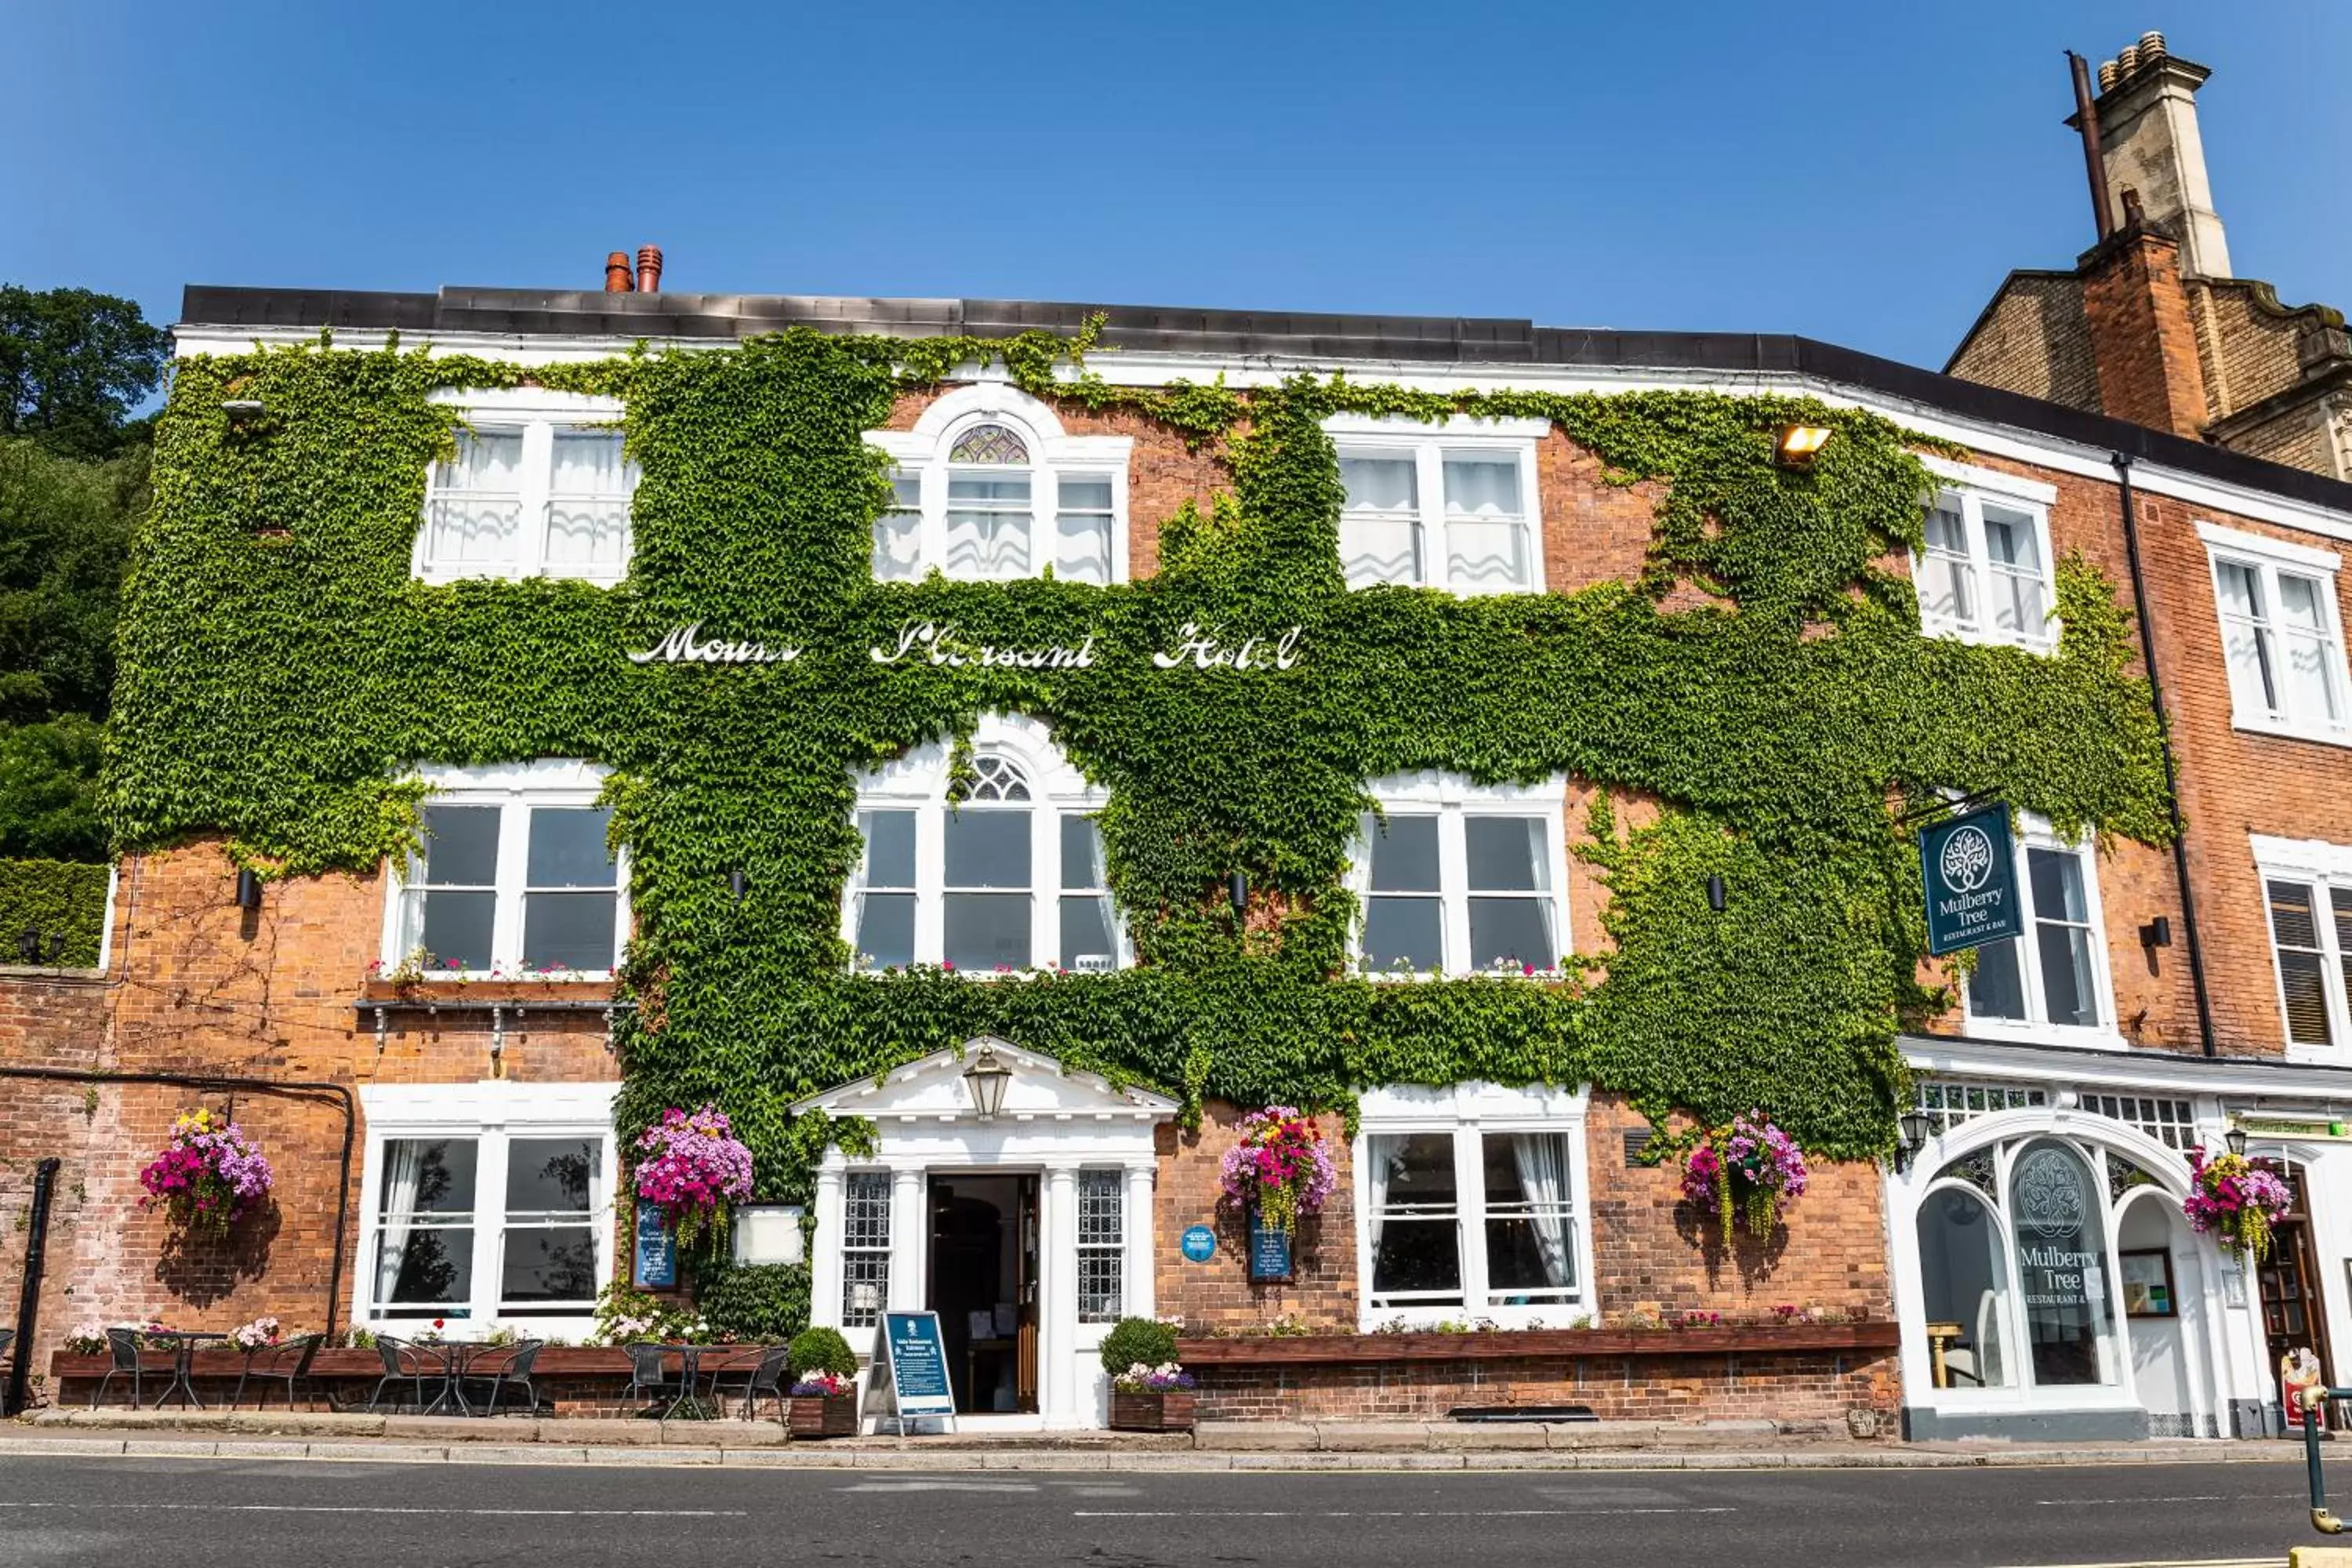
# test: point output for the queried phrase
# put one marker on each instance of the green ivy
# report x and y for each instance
(56, 900)
(1764, 681)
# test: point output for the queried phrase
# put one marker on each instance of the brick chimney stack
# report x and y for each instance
(2143, 345)
(2148, 136)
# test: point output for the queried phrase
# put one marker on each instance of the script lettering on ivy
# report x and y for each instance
(685, 646)
(1205, 652)
(935, 644)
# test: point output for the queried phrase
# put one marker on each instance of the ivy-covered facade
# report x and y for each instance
(1508, 758)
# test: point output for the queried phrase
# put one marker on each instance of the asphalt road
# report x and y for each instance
(174, 1513)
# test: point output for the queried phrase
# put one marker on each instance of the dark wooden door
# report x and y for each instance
(2294, 1311)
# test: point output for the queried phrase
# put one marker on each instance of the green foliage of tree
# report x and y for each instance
(51, 802)
(65, 537)
(73, 364)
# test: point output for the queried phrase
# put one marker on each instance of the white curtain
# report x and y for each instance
(588, 511)
(2310, 651)
(403, 1168)
(477, 498)
(1542, 1162)
(1376, 1193)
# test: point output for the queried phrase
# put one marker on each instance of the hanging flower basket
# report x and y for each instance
(2235, 1201)
(208, 1177)
(1281, 1167)
(694, 1167)
(1746, 1172)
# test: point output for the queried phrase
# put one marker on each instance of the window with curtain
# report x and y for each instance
(1471, 1218)
(991, 514)
(588, 504)
(1530, 1229)
(554, 1192)
(898, 531)
(1414, 1202)
(2282, 643)
(1982, 573)
(1000, 496)
(1439, 513)
(529, 493)
(864, 1248)
(424, 1228)
(474, 516)
(1102, 1245)
(1084, 516)
(1451, 881)
(2051, 976)
(511, 879)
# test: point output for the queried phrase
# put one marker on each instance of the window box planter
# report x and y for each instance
(1309, 1350)
(835, 1416)
(1170, 1410)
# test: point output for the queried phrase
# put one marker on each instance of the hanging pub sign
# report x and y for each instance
(1969, 871)
(657, 1249)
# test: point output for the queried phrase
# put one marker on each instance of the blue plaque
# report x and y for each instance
(919, 1365)
(657, 1249)
(1269, 1250)
(1969, 871)
(1199, 1243)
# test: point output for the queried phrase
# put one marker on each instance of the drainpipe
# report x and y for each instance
(338, 1092)
(2171, 773)
(28, 1300)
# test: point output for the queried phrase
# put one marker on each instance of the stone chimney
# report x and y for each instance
(2143, 346)
(2148, 130)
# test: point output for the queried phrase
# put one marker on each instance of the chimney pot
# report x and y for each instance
(2151, 48)
(617, 273)
(2135, 216)
(2109, 74)
(2128, 61)
(649, 269)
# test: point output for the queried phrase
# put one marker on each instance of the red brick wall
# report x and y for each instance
(48, 1019)
(2142, 340)
(1218, 1295)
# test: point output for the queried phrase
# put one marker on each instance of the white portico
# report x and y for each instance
(1029, 1230)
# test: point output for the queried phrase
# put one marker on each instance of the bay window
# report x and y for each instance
(1983, 572)
(1470, 1204)
(1454, 876)
(1452, 508)
(538, 485)
(2281, 637)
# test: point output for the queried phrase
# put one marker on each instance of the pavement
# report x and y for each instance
(62, 1511)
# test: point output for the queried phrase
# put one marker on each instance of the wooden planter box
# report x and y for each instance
(1326, 1350)
(1165, 1412)
(811, 1417)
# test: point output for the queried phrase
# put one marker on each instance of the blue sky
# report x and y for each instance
(1862, 172)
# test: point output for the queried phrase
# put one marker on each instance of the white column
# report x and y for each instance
(909, 1225)
(1142, 1238)
(1057, 1289)
(825, 1272)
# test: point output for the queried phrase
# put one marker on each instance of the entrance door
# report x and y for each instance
(983, 1286)
(2294, 1317)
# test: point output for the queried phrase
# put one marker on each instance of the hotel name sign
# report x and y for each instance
(939, 643)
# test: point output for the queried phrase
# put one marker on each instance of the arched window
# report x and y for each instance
(997, 869)
(2058, 1216)
(1964, 1284)
(987, 487)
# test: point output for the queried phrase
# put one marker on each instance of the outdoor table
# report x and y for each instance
(457, 1358)
(183, 1358)
(690, 1357)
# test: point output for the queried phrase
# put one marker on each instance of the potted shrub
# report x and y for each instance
(1149, 1392)
(824, 1399)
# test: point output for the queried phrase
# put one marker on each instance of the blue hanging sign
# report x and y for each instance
(1199, 1243)
(657, 1249)
(1970, 870)
(1269, 1251)
(910, 1344)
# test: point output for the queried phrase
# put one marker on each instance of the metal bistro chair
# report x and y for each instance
(649, 1374)
(288, 1362)
(122, 1350)
(408, 1363)
(507, 1369)
(755, 1380)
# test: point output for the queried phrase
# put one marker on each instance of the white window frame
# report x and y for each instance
(1356, 435)
(2033, 832)
(1453, 799)
(2327, 869)
(515, 789)
(1467, 1112)
(918, 782)
(2266, 558)
(538, 416)
(1115, 1179)
(921, 454)
(494, 1114)
(1972, 486)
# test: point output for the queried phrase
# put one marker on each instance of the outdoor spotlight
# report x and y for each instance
(2157, 932)
(987, 1077)
(1796, 445)
(1715, 891)
(1237, 889)
(735, 883)
(2236, 1139)
(241, 411)
(248, 888)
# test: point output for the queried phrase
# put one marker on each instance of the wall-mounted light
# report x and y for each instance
(248, 888)
(2236, 1139)
(242, 412)
(1796, 445)
(1914, 1128)
(2157, 932)
(987, 1078)
(737, 883)
(1237, 889)
(1715, 891)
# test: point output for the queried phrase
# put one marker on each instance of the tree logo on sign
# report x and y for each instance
(1967, 859)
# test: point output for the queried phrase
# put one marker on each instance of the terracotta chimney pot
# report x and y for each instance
(649, 265)
(617, 273)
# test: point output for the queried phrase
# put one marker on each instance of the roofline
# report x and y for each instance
(1483, 341)
(2015, 274)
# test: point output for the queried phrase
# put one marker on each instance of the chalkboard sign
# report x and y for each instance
(657, 1249)
(1269, 1250)
(909, 1345)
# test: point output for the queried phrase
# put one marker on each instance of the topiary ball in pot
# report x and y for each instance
(1137, 1341)
(821, 1350)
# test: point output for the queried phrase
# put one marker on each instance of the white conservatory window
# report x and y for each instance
(1452, 509)
(987, 487)
(2282, 634)
(2052, 982)
(2307, 895)
(1985, 573)
(1000, 870)
(1471, 1204)
(511, 876)
(1454, 876)
(487, 1202)
(540, 486)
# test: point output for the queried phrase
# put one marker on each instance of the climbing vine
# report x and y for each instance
(1761, 692)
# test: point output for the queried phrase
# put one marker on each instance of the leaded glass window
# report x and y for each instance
(864, 1248)
(1102, 1246)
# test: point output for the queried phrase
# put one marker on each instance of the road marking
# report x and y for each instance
(940, 1487)
(1378, 1513)
(361, 1508)
(2182, 1563)
(2137, 1502)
